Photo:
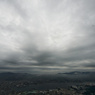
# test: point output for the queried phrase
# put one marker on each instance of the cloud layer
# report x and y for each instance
(47, 36)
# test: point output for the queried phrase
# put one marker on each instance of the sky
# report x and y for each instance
(47, 36)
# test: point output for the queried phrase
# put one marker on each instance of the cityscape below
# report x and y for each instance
(71, 83)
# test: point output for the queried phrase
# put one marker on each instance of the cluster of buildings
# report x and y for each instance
(73, 90)
(83, 89)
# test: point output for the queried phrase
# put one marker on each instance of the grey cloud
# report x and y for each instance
(92, 64)
(47, 36)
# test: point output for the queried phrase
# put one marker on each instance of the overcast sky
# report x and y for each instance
(47, 36)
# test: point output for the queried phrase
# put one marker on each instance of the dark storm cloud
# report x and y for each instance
(47, 36)
(92, 65)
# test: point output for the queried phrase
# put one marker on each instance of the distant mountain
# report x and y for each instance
(74, 76)
(77, 73)
(8, 76)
